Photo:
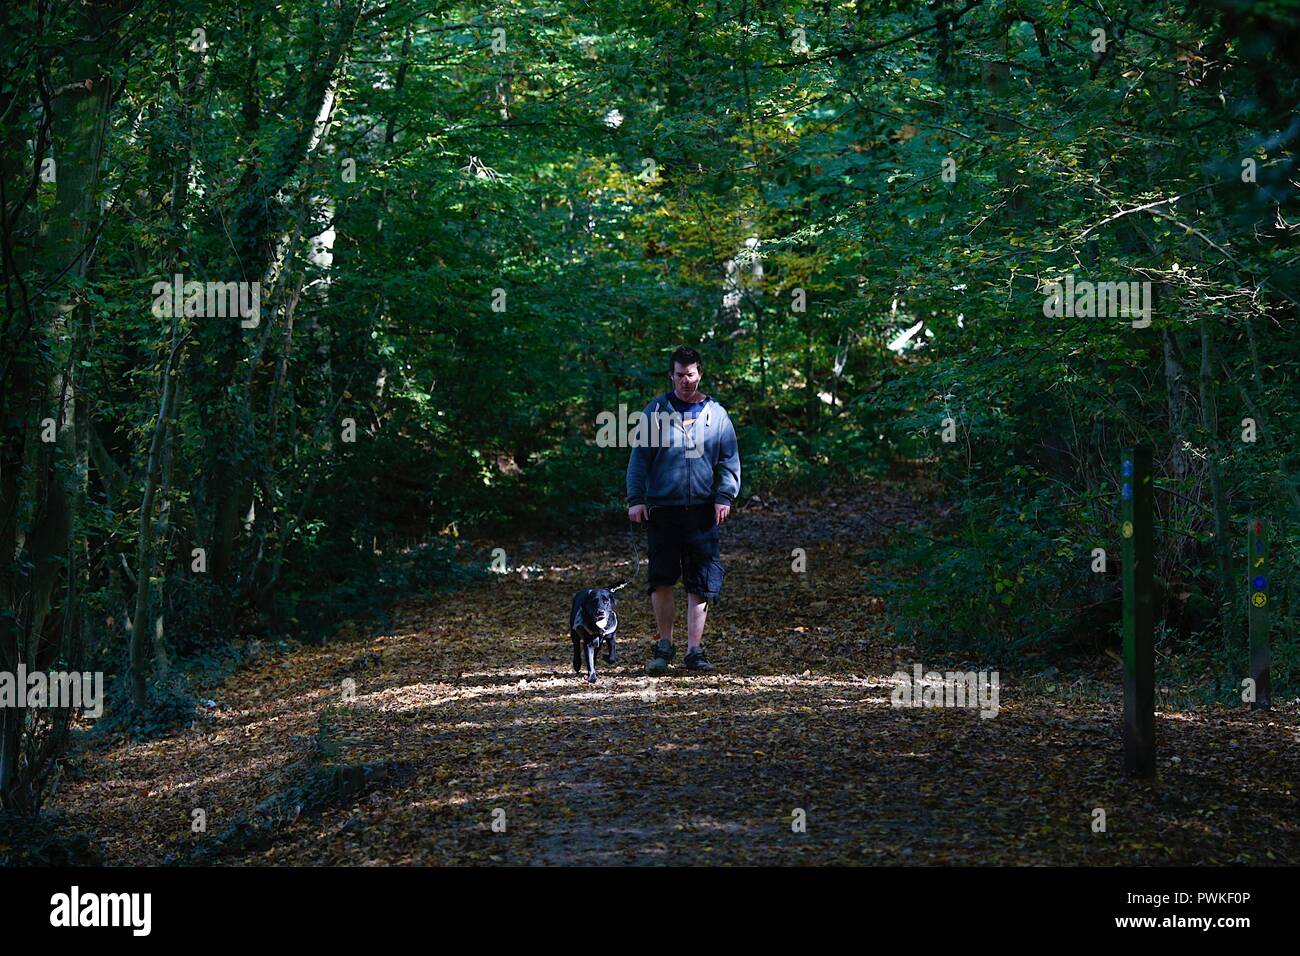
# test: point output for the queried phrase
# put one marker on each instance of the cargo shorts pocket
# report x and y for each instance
(702, 562)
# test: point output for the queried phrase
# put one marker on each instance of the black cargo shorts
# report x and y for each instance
(684, 543)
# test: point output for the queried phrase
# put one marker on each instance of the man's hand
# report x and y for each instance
(636, 514)
(720, 513)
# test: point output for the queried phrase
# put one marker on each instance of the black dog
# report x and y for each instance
(592, 622)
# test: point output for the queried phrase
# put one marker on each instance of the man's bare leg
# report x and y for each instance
(697, 609)
(665, 611)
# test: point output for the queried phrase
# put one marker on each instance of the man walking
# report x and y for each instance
(682, 481)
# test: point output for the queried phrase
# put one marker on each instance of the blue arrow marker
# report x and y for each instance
(1259, 583)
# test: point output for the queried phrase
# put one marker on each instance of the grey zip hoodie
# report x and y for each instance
(696, 465)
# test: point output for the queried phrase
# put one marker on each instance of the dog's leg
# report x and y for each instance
(611, 655)
(577, 653)
(591, 662)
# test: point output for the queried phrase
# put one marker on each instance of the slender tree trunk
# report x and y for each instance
(140, 640)
(1176, 392)
(40, 399)
(810, 394)
(1222, 529)
(230, 436)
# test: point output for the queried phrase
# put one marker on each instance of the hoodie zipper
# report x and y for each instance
(685, 461)
(689, 471)
(696, 440)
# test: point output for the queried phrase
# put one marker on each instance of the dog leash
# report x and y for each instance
(636, 562)
(636, 558)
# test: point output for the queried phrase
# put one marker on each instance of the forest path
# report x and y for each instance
(467, 705)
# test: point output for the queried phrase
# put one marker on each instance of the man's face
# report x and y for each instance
(686, 380)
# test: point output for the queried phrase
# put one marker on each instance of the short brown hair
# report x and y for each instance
(685, 357)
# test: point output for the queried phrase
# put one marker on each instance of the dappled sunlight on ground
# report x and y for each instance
(470, 702)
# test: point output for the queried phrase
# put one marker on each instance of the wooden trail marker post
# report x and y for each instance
(1257, 573)
(1139, 647)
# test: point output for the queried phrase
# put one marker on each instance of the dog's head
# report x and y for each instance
(598, 608)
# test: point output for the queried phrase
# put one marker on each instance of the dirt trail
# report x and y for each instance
(467, 711)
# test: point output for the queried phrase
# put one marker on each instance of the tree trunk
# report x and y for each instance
(43, 483)
(139, 650)
(1222, 529)
(1176, 392)
(220, 389)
